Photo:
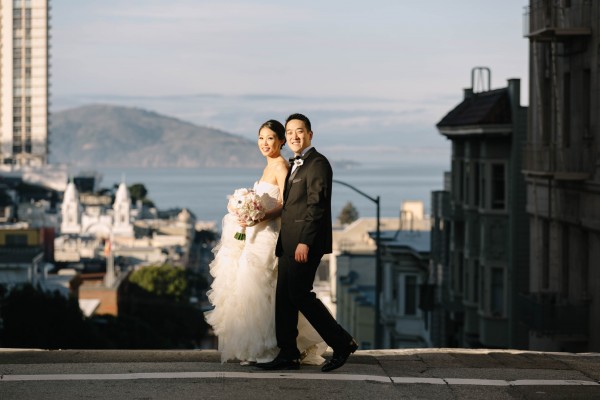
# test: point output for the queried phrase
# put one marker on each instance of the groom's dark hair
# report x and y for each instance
(302, 118)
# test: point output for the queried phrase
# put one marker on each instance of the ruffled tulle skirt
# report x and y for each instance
(243, 296)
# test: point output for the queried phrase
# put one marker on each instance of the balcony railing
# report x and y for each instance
(557, 19)
(575, 163)
(543, 315)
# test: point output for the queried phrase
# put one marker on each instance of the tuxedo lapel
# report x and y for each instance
(287, 185)
(291, 175)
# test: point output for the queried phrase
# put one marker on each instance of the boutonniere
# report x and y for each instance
(297, 161)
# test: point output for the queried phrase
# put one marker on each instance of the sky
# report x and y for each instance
(373, 76)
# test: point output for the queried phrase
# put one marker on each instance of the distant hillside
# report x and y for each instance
(103, 135)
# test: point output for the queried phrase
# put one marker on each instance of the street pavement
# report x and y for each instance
(376, 375)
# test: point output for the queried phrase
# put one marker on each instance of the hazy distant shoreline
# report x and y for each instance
(204, 190)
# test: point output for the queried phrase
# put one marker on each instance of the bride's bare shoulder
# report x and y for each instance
(282, 164)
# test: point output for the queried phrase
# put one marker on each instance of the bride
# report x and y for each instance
(245, 272)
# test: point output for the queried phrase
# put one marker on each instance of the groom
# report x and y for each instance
(304, 238)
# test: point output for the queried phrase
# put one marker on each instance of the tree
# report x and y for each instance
(163, 280)
(33, 318)
(138, 191)
(348, 215)
(158, 296)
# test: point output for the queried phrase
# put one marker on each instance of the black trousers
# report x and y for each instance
(294, 293)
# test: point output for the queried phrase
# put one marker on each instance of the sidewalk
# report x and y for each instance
(378, 374)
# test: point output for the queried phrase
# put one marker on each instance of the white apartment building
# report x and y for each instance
(24, 89)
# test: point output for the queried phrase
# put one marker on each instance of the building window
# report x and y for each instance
(458, 180)
(410, 295)
(467, 282)
(481, 290)
(13, 239)
(498, 187)
(482, 186)
(466, 195)
(461, 182)
(565, 260)
(460, 273)
(497, 292)
(587, 103)
(546, 107)
(545, 254)
(476, 281)
(477, 182)
(566, 115)
(584, 248)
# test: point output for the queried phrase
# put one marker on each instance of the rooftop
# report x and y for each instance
(484, 108)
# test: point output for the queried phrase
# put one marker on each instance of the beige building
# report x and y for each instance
(562, 172)
(353, 279)
(24, 89)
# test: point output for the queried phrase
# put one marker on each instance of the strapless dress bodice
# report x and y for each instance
(268, 192)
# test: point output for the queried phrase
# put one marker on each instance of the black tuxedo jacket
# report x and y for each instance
(306, 214)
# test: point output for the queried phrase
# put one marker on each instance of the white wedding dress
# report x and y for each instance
(243, 292)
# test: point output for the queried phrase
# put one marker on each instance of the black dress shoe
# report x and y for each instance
(340, 357)
(279, 363)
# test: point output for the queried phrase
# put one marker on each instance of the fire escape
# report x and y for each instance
(558, 30)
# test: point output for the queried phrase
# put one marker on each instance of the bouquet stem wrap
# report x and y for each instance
(240, 235)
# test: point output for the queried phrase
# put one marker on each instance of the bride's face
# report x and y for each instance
(268, 143)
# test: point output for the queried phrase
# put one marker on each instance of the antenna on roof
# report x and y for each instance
(478, 82)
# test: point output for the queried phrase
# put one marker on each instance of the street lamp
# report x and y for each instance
(378, 274)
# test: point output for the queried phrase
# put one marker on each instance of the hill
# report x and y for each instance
(105, 135)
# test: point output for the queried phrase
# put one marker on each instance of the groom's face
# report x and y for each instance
(297, 136)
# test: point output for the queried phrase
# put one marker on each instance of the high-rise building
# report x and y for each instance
(562, 172)
(24, 89)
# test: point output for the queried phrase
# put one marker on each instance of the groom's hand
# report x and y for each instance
(301, 255)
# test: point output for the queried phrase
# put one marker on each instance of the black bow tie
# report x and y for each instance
(295, 158)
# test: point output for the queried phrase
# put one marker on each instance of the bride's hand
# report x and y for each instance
(245, 224)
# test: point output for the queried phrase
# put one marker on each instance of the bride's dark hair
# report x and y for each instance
(276, 127)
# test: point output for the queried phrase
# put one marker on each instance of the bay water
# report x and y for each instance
(204, 191)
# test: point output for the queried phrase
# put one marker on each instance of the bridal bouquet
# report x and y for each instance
(245, 204)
